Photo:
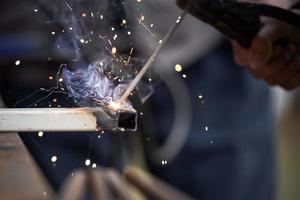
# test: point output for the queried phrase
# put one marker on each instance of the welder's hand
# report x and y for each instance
(274, 55)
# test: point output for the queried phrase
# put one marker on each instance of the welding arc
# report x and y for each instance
(150, 61)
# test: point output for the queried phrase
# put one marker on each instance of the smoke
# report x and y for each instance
(101, 61)
(98, 76)
(95, 82)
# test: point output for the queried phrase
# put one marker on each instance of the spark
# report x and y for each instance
(178, 68)
(53, 33)
(81, 41)
(164, 162)
(53, 159)
(115, 36)
(18, 62)
(35, 10)
(140, 20)
(69, 6)
(87, 162)
(178, 20)
(83, 14)
(200, 96)
(142, 17)
(94, 165)
(103, 37)
(129, 57)
(40, 133)
(114, 50)
(50, 77)
(184, 76)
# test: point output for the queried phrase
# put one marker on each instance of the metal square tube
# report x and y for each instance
(66, 119)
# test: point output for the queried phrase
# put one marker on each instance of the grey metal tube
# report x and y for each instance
(66, 119)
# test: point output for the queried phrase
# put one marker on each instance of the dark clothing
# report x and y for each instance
(235, 158)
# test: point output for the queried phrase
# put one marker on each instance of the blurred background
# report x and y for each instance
(288, 113)
(31, 53)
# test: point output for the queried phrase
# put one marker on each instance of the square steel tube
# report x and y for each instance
(66, 119)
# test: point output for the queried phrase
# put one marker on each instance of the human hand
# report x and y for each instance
(274, 54)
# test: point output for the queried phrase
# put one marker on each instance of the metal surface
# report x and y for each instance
(20, 178)
(152, 187)
(66, 119)
(74, 186)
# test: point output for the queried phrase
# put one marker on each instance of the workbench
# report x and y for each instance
(20, 177)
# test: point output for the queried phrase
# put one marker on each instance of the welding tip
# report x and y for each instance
(152, 58)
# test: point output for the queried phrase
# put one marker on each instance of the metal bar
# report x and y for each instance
(98, 186)
(74, 187)
(152, 187)
(117, 184)
(66, 119)
(20, 177)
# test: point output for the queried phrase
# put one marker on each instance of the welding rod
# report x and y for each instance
(65, 120)
(149, 62)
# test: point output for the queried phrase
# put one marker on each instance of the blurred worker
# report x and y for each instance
(236, 158)
(277, 64)
(230, 152)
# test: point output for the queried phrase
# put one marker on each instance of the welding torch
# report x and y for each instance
(239, 21)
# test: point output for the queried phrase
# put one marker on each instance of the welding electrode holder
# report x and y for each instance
(240, 21)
